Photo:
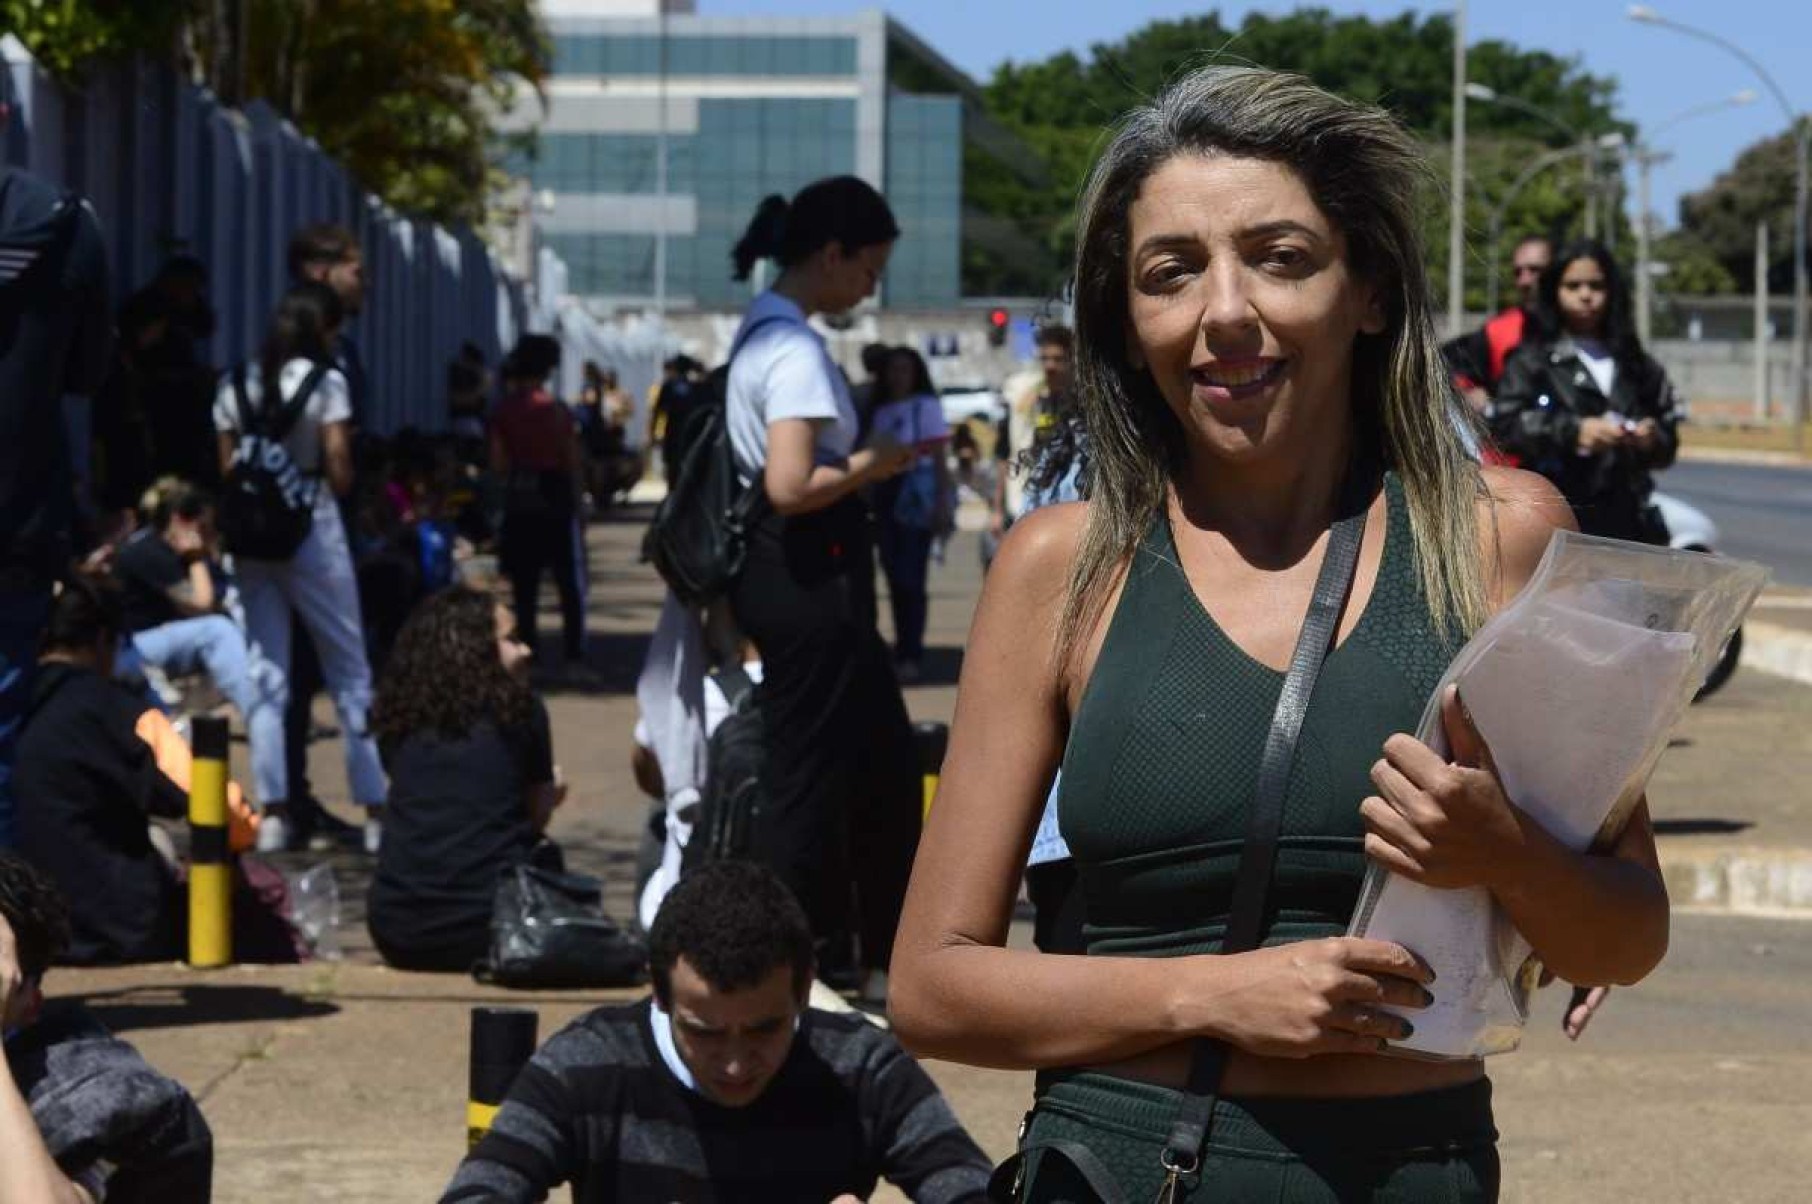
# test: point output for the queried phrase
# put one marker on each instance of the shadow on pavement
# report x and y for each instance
(1701, 827)
(133, 1008)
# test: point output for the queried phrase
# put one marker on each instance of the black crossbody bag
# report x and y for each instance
(1181, 1158)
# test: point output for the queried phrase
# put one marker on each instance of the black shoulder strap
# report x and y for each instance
(737, 685)
(248, 419)
(286, 416)
(748, 333)
(1189, 1134)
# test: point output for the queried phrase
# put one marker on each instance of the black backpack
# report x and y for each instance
(700, 531)
(267, 505)
(733, 800)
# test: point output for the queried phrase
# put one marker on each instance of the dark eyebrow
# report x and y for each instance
(1281, 226)
(1166, 242)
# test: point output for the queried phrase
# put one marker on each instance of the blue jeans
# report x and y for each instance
(216, 645)
(23, 614)
(318, 586)
(906, 560)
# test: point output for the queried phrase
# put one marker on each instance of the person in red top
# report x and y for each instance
(535, 454)
(1477, 359)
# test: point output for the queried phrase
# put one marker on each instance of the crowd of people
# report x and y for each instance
(1252, 381)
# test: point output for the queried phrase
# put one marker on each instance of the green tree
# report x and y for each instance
(402, 92)
(64, 35)
(1062, 106)
(1722, 217)
(1692, 267)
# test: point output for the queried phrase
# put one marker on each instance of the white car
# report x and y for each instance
(1687, 526)
(965, 402)
(1691, 529)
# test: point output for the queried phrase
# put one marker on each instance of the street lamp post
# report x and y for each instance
(1647, 158)
(1585, 147)
(1536, 166)
(1456, 199)
(1648, 16)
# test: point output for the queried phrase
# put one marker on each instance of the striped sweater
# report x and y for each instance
(598, 1108)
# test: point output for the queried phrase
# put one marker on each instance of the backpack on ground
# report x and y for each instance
(699, 535)
(267, 505)
(734, 798)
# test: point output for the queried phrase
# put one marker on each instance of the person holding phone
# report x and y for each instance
(842, 812)
(912, 508)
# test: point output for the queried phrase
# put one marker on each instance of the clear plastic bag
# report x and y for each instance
(1576, 686)
(314, 909)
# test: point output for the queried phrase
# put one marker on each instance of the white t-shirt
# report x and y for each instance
(913, 420)
(1598, 360)
(784, 371)
(330, 402)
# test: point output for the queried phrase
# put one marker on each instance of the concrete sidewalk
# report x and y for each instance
(345, 1081)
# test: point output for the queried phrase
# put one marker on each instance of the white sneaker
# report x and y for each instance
(273, 834)
(374, 835)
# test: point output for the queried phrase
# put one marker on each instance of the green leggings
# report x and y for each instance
(1435, 1147)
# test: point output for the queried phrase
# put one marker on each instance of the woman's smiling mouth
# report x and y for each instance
(1235, 380)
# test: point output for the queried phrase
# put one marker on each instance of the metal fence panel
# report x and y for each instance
(171, 171)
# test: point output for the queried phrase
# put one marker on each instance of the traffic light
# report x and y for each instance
(997, 327)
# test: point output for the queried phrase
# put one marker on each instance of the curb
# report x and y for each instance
(1738, 455)
(1782, 651)
(1743, 881)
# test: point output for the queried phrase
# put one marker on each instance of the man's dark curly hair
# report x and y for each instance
(35, 911)
(444, 674)
(734, 922)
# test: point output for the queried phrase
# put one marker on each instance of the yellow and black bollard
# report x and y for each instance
(931, 740)
(210, 866)
(503, 1040)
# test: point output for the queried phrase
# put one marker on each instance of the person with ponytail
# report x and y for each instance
(841, 779)
(318, 580)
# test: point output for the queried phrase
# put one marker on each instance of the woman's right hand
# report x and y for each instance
(1317, 997)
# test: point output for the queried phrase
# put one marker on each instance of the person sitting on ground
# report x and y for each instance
(673, 1097)
(88, 783)
(472, 780)
(83, 1117)
(170, 600)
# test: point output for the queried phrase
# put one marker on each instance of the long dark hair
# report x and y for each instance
(302, 328)
(444, 675)
(921, 377)
(840, 209)
(1619, 329)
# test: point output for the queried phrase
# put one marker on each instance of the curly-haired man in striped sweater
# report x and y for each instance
(724, 1086)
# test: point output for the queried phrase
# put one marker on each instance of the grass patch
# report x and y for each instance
(1774, 438)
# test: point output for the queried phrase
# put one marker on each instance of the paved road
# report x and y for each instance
(1764, 513)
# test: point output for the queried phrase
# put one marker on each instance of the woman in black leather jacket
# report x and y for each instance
(1584, 405)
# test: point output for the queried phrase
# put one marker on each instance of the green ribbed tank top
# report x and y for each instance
(1164, 749)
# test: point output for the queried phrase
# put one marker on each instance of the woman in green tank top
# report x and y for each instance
(1253, 333)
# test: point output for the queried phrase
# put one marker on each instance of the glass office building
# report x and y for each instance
(752, 107)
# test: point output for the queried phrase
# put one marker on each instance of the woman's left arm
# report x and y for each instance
(1595, 917)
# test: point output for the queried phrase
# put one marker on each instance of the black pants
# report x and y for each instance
(537, 540)
(844, 800)
(906, 559)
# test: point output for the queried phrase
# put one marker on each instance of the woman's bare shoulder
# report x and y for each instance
(1518, 516)
(1039, 549)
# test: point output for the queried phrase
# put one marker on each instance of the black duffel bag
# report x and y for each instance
(548, 929)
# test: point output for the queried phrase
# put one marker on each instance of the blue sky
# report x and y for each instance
(1660, 72)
